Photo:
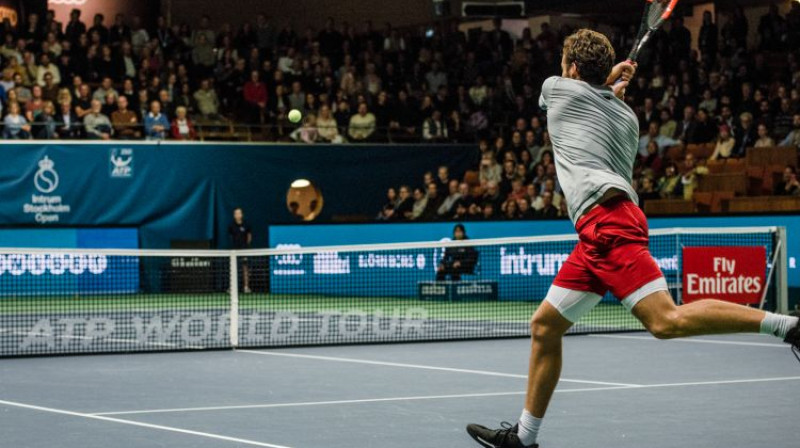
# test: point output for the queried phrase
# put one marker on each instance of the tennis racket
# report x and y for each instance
(656, 12)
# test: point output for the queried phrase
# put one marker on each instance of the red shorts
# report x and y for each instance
(612, 252)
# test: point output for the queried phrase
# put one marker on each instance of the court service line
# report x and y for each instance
(337, 402)
(437, 397)
(691, 340)
(140, 424)
(422, 367)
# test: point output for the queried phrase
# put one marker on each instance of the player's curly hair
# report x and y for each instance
(592, 54)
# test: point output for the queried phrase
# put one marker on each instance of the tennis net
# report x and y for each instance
(68, 301)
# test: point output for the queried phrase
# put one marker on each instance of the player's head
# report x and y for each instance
(588, 56)
(238, 214)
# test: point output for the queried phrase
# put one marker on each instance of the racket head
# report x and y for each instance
(656, 12)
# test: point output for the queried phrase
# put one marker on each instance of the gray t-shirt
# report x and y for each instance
(595, 138)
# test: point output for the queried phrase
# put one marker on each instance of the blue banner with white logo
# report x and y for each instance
(70, 273)
(188, 191)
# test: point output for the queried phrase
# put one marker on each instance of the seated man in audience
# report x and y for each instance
(788, 186)
(548, 210)
(97, 124)
(156, 124)
(653, 134)
(126, 123)
(106, 87)
(68, 125)
(362, 125)
(457, 261)
(692, 172)
(207, 101)
(793, 138)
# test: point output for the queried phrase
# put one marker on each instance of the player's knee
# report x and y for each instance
(543, 329)
(668, 326)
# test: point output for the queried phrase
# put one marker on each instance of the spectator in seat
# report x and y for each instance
(182, 126)
(492, 196)
(764, 140)
(45, 67)
(793, 138)
(490, 170)
(97, 124)
(724, 147)
(434, 129)
(548, 210)
(35, 105)
(69, 126)
(788, 186)
(50, 89)
(387, 211)
(125, 121)
(405, 204)
(16, 127)
(420, 203)
(106, 88)
(45, 126)
(447, 206)
(203, 56)
(362, 125)
(524, 209)
(434, 201)
(745, 134)
(669, 185)
(255, 97)
(457, 261)
(327, 127)
(443, 177)
(83, 103)
(692, 171)
(653, 159)
(705, 131)
(782, 124)
(156, 124)
(307, 133)
(647, 191)
(668, 125)
(687, 127)
(510, 210)
(207, 100)
(654, 135)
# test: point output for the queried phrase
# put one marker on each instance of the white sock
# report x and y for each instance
(777, 324)
(528, 428)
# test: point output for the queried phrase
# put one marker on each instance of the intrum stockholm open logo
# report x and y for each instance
(46, 178)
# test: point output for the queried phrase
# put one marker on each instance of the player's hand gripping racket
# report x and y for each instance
(656, 12)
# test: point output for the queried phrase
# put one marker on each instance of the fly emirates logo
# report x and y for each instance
(725, 280)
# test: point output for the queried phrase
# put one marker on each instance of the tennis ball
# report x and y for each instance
(295, 116)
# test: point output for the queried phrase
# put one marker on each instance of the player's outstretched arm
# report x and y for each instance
(620, 77)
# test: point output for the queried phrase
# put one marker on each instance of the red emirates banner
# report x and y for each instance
(734, 274)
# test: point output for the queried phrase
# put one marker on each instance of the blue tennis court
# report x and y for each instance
(622, 390)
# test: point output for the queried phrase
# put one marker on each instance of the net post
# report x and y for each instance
(234, 291)
(781, 283)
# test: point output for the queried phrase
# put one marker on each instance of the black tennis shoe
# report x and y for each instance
(505, 437)
(793, 337)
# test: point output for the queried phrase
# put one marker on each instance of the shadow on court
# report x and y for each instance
(618, 390)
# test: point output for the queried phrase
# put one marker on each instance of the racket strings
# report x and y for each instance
(655, 13)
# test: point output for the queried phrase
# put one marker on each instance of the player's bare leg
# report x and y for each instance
(665, 320)
(547, 331)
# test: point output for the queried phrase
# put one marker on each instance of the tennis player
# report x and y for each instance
(595, 136)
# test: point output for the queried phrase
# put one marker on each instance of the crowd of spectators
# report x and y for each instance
(120, 79)
(726, 95)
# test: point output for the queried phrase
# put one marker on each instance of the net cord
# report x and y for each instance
(171, 253)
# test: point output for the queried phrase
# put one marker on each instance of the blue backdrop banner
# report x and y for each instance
(188, 191)
(32, 275)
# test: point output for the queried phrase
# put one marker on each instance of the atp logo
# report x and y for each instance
(121, 162)
(46, 178)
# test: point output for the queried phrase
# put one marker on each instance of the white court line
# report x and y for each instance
(419, 366)
(440, 397)
(141, 424)
(691, 340)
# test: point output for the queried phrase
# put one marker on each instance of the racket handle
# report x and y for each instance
(619, 80)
